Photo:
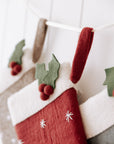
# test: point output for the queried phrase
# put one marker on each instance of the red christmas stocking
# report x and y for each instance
(51, 115)
(58, 123)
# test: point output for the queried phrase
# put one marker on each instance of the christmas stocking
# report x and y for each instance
(20, 72)
(21, 60)
(49, 114)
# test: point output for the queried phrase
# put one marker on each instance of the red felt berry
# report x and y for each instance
(41, 87)
(12, 64)
(17, 68)
(44, 96)
(13, 73)
(48, 90)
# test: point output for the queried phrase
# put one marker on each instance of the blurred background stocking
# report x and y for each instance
(10, 84)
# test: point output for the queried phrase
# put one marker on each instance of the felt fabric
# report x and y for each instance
(18, 53)
(55, 127)
(48, 90)
(7, 132)
(41, 87)
(30, 93)
(39, 40)
(96, 109)
(8, 86)
(97, 113)
(110, 80)
(81, 55)
(22, 82)
(43, 96)
(48, 77)
(6, 79)
(12, 64)
(17, 68)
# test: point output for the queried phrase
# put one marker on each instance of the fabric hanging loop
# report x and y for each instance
(81, 55)
(39, 40)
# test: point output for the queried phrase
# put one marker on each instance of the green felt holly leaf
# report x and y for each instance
(48, 77)
(18, 53)
(40, 72)
(109, 81)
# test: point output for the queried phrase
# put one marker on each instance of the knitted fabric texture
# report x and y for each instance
(59, 122)
(81, 55)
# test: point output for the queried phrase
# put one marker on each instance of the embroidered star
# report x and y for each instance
(42, 123)
(13, 140)
(20, 142)
(69, 116)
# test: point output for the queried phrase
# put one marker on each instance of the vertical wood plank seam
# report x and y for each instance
(4, 33)
(81, 13)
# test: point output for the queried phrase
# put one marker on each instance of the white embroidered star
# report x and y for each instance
(20, 142)
(42, 123)
(68, 116)
(13, 140)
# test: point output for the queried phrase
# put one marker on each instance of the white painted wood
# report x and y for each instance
(4, 5)
(13, 28)
(63, 42)
(41, 7)
(98, 12)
